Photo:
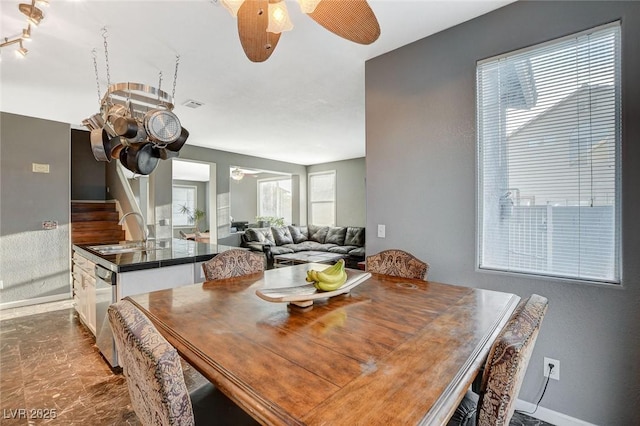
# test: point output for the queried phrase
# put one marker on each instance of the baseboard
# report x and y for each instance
(34, 301)
(549, 416)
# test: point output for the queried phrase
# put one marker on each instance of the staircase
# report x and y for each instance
(95, 223)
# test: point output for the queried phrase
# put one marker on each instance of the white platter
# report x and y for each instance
(304, 294)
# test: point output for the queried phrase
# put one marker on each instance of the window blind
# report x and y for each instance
(322, 196)
(548, 128)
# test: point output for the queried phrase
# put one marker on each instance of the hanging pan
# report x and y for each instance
(140, 158)
(100, 145)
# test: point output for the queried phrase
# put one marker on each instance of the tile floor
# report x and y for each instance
(49, 365)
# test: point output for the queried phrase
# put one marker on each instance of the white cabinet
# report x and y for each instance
(147, 280)
(84, 290)
(198, 273)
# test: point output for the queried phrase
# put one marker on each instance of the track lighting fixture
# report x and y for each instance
(34, 17)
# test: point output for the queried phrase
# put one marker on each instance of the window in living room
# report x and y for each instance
(322, 198)
(184, 201)
(274, 198)
(549, 139)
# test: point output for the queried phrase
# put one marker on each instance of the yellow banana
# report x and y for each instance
(312, 274)
(324, 286)
(333, 274)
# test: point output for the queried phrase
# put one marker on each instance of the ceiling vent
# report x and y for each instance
(193, 104)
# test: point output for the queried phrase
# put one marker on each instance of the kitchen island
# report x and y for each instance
(101, 279)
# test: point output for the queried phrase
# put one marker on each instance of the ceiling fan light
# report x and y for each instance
(279, 18)
(237, 174)
(232, 6)
(44, 3)
(308, 6)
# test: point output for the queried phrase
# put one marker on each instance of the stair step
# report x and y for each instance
(80, 206)
(95, 226)
(98, 237)
(95, 216)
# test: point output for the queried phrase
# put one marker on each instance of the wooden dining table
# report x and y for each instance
(392, 351)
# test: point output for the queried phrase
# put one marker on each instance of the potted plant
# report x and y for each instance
(194, 216)
(267, 221)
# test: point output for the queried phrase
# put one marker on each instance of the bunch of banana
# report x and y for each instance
(330, 278)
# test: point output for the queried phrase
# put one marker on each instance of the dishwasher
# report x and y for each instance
(105, 296)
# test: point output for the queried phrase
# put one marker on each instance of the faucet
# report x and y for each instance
(141, 222)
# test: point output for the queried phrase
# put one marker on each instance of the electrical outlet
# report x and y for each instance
(381, 231)
(555, 373)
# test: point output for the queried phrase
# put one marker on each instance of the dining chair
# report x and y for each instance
(233, 263)
(397, 263)
(155, 378)
(505, 368)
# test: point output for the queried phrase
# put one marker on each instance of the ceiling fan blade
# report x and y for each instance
(253, 19)
(350, 19)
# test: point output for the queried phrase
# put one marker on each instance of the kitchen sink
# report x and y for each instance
(127, 247)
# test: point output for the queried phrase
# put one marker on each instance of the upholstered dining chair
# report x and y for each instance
(397, 263)
(155, 379)
(233, 263)
(505, 368)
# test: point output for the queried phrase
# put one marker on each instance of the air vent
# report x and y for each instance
(193, 104)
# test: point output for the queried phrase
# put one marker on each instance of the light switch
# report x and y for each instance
(39, 168)
(381, 231)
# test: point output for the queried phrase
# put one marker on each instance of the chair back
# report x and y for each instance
(507, 362)
(397, 263)
(233, 263)
(151, 367)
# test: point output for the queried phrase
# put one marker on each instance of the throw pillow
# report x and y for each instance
(254, 236)
(281, 236)
(335, 235)
(298, 233)
(318, 233)
(355, 236)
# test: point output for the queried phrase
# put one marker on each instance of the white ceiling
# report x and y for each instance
(304, 105)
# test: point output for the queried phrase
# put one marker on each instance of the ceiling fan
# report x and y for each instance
(261, 22)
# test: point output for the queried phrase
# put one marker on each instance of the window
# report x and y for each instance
(183, 196)
(322, 198)
(274, 198)
(549, 158)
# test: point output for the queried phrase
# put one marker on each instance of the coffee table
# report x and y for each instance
(309, 256)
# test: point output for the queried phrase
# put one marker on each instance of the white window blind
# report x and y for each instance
(549, 140)
(322, 198)
(274, 199)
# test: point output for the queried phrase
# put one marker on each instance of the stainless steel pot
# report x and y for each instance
(179, 143)
(100, 145)
(162, 126)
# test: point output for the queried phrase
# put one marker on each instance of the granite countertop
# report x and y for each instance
(167, 253)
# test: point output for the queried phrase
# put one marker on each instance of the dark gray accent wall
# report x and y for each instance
(421, 138)
(34, 263)
(350, 190)
(88, 176)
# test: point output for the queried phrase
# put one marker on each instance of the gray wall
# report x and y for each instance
(34, 263)
(350, 190)
(244, 199)
(420, 114)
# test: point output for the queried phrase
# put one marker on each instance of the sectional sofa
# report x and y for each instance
(346, 240)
